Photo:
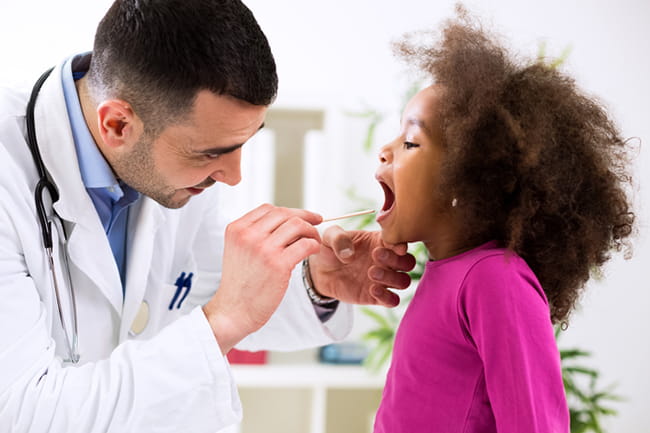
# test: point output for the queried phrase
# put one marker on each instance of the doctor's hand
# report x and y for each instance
(261, 249)
(358, 267)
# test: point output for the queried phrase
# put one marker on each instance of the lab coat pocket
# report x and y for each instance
(167, 299)
(163, 306)
(182, 288)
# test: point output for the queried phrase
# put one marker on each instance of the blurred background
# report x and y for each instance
(338, 81)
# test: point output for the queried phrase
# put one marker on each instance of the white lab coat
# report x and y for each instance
(169, 378)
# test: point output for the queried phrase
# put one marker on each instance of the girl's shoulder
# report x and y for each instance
(495, 260)
(493, 271)
(488, 257)
(488, 266)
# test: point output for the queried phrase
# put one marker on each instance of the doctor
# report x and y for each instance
(122, 323)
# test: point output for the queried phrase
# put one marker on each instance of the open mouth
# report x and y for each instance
(389, 196)
(389, 202)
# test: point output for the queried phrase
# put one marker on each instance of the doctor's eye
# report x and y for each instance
(410, 145)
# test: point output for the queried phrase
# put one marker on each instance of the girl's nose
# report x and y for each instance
(385, 154)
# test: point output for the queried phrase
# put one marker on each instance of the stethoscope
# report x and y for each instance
(45, 185)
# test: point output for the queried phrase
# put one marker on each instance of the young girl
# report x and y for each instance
(515, 182)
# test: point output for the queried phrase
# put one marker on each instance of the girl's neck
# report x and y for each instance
(440, 249)
(451, 240)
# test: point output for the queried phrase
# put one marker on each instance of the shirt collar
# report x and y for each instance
(95, 171)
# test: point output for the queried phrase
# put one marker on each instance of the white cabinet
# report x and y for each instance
(307, 398)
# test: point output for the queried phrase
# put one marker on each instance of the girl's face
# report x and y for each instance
(409, 173)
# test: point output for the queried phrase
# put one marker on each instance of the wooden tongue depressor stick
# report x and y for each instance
(349, 215)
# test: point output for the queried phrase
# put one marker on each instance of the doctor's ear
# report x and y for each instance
(118, 124)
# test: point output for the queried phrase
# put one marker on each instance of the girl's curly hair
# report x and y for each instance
(531, 160)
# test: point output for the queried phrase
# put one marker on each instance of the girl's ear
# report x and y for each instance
(118, 124)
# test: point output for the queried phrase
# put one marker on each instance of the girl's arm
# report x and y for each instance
(509, 321)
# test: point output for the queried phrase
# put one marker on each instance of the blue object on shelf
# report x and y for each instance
(343, 353)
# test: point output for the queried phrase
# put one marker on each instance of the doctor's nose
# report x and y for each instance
(229, 171)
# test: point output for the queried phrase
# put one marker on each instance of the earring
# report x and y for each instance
(454, 202)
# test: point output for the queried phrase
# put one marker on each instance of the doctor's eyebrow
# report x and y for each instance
(220, 150)
(224, 150)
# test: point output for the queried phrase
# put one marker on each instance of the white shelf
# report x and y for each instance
(318, 380)
(306, 375)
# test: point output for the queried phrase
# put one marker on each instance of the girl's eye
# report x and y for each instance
(409, 145)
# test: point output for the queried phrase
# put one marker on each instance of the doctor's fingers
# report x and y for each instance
(289, 245)
(299, 250)
(383, 296)
(389, 277)
(292, 230)
(269, 217)
(280, 217)
(387, 257)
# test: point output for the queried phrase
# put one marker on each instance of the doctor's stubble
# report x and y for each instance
(138, 170)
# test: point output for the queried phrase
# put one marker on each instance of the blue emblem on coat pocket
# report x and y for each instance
(182, 282)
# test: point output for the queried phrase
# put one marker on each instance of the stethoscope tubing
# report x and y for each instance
(44, 184)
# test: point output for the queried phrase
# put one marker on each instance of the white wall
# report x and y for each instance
(334, 55)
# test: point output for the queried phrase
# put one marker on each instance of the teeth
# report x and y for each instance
(389, 196)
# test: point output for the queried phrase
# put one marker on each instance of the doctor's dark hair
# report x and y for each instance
(532, 161)
(157, 54)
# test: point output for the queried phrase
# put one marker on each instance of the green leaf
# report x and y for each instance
(382, 334)
(573, 353)
(377, 357)
(581, 370)
(364, 221)
(370, 135)
(560, 60)
(385, 355)
(607, 411)
(377, 317)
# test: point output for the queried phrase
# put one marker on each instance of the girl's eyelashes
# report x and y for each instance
(410, 145)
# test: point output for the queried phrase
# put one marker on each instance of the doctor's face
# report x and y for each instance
(187, 157)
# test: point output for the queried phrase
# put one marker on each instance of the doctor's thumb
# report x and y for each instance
(340, 242)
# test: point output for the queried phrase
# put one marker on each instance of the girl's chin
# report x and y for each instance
(390, 237)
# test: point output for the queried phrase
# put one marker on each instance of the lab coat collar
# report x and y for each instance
(56, 145)
(76, 208)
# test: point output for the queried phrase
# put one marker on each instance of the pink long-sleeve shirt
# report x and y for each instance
(475, 352)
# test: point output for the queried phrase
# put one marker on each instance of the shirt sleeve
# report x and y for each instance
(506, 317)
